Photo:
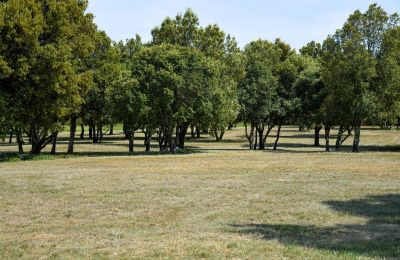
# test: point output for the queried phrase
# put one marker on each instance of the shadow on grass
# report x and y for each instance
(378, 238)
(10, 157)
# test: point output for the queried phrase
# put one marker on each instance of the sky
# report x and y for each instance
(297, 22)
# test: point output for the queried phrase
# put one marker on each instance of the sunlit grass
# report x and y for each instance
(221, 201)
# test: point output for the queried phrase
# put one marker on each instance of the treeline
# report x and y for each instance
(57, 69)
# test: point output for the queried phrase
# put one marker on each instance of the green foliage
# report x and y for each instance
(42, 43)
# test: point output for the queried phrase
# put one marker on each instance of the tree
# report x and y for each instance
(348, 69)
(39, 52)
(310, 90)
(105, 66)
(258, 91)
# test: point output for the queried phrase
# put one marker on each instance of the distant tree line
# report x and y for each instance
(58, 69)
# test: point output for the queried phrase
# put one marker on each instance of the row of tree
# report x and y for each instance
(57, 68)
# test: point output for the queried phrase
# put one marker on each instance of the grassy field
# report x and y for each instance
(217, 201)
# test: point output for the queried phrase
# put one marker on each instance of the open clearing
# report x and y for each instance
(222, 201)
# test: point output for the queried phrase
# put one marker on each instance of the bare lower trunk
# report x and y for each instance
(131, 138)
(82, 135)
(192, 133)
(111, 129)
(147, 139)
(250, 136)
(317, 131)
(72, 132)
(90, 131)
(327, 137)
(356, 142)
(11, 137)
(198, 133)
(278, 136)
(338, 145)
(54, 143)
(20, 142)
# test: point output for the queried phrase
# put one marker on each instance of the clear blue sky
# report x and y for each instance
(295, 21)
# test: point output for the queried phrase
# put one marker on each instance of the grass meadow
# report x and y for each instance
(217, 200)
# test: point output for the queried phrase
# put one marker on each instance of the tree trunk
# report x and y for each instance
(338, 145)
(72, 135)
(131, 137)
(90, 131)
(198, 133)
(111, 129)
(192, 133)
(327, 137)
(100, 130)
(261, 137)
(20, 142)
(255, 138)
(147, 139)
(182, 135)
(278, 136)
(95, 136)
(317, 131)
(82, 136)
(11, 137)
(54, 143)
(250, 136)
(356, 142)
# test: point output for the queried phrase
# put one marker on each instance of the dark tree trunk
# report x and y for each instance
(182, 135)
(261, 137)
(356, 142)
(250, 136)
(230, 126)
(131, 138)
(302, 128)
(100, 129)
(278, 135)
(90, 131)
(72, 132)
(147, 139)
(20, 142)
(82, 136)
(95, 134)
(338, 145)
(198, 133)
(54, 143)
(111, 129)
(11, 137)
(256, 138)
(219, 136)
(192, 133)
(317, 131)
(327, 138)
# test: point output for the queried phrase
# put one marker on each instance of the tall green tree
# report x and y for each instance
(41, 42)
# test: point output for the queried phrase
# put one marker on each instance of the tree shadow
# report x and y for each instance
(379, 237)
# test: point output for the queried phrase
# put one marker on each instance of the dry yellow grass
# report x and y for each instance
(221, 203)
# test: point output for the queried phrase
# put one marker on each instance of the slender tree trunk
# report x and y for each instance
(278, 136)
(182, 135)
(250, 136)
(100, 129)
(147, 141)
(338, 145)
(192, 133)
(20, 142)
(72, 132)
(54, 143)
(95, 137)
(255, 138)
(111, 129)
(11, 137)
(82, 136)
(131, 138)
(261, 137)
(90, 131)
(198, 133)
(230, 126)
(327, 138)
(356, 142)
(317, 131)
